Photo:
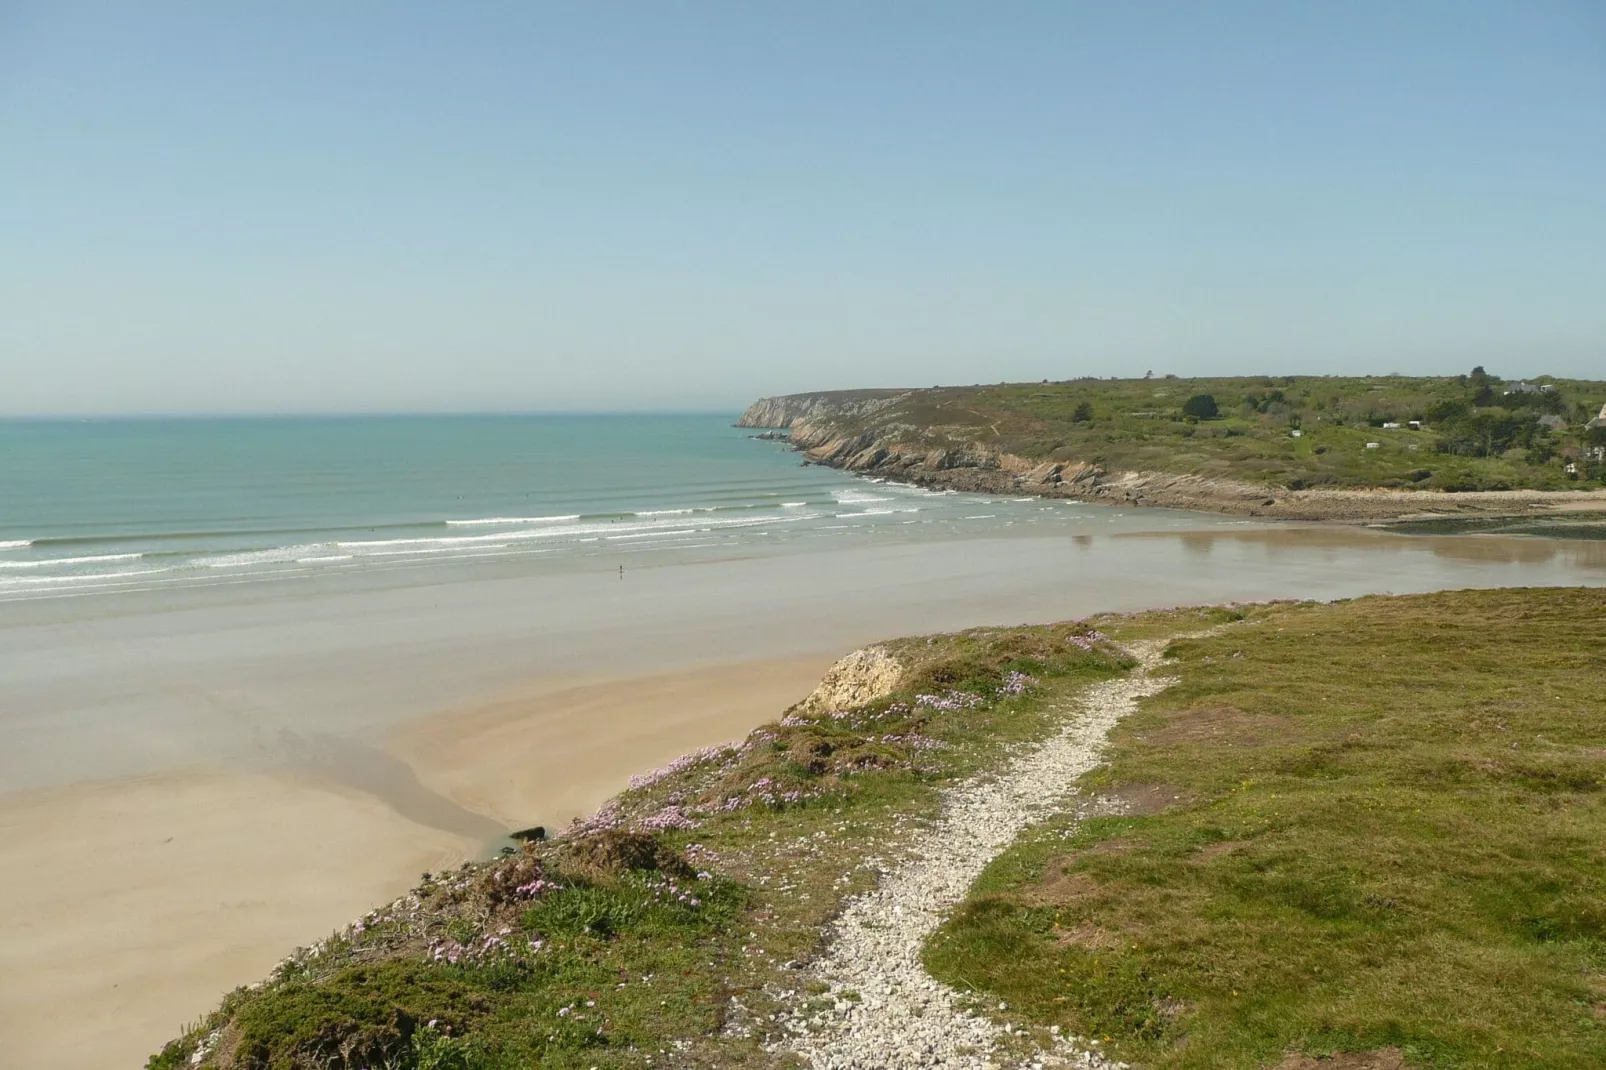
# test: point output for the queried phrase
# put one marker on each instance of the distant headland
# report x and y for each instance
(1291, 447)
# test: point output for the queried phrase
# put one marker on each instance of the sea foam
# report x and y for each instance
(486, 520)
(55, 561)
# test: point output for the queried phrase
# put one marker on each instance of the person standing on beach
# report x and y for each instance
(621, 572)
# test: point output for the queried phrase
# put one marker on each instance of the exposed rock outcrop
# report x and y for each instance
(862, 676)
(783, 412)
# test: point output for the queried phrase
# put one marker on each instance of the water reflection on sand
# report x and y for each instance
(1305, 541)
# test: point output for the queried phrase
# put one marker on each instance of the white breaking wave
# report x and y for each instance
(54, 561)
(442, 550)
(15, 544)
(579, 532)
(82, 577)
(279, 555)
(485, 520)
(655, 534)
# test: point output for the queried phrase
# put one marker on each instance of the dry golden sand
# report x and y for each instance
(131, 906)
(547, 756)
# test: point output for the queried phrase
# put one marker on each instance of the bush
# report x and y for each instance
(1201, 407)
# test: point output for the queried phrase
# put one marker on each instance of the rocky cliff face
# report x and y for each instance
(864, 431)
(786, 410)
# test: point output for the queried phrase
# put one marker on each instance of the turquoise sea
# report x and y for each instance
(91, 505)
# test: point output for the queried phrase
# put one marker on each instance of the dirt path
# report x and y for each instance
(887, 1010)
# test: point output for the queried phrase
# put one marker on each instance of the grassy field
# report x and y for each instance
(1479, 432)
(1371, 825)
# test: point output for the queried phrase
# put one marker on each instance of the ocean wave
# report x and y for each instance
(13, 582)
(793, 505)
(442, 550)
(223, 530)
(557, 532)
(849, 497)
(654, 534)
(52, 562)
(486, 520)
(15, 544)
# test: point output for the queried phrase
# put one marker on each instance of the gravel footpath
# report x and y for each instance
(902, 1016)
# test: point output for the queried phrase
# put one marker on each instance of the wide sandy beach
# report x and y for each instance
(147, 897)
(195, 783)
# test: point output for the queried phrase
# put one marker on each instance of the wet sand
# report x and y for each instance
(193, 783)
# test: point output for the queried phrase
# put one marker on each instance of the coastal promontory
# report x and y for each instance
(1295, 447)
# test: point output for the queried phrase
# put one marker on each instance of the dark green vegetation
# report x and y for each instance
(647, 935)
(1478, 432)
(1370, 825)
(1553, 527)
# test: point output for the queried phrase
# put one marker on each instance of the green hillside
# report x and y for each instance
(1477, 431)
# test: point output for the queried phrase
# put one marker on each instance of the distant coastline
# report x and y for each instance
(1079, 441)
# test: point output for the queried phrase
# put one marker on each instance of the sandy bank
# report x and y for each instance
(552, 754)
(147, 898)
(131, 906)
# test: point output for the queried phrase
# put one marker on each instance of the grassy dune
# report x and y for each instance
(661, 931)
(1360, 827)
(1371, 825)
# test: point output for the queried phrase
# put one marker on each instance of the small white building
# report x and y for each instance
(1295, 433)
(1373, 445)
(1391, 427)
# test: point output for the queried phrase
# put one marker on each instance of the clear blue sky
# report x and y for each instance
(357, 206)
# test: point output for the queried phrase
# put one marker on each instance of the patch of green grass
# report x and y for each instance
(1389, 831)
(1139, 425)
